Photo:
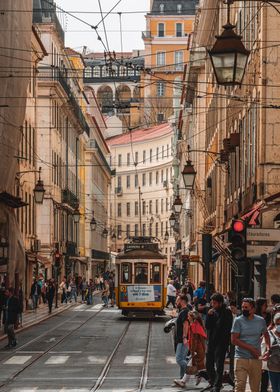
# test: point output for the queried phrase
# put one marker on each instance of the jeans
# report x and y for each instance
(73, 294)
(181, 353)
(50, 303)
(35, 299)
(275, 381)
(171, 300)
(215, 359)
(244, 368)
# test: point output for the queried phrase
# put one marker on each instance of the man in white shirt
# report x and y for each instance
(171, 294)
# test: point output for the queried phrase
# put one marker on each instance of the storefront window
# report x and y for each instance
(155, 273)
(141, 273)
(126, 273)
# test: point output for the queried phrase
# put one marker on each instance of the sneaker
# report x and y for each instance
(197, 380)
(180, 383)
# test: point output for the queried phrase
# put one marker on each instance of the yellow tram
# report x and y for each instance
(141, 277)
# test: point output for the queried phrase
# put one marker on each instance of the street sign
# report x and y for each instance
(257, 250)
(263, 234)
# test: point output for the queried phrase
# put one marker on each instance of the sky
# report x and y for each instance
(79, 35)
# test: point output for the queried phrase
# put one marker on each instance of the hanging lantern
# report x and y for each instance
(189, 175)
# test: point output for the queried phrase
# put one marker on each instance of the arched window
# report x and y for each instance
(88, 72)
(161, 8)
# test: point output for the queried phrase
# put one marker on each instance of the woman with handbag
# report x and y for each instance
(273, 362)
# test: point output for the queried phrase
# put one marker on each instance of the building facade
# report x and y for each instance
(233, 142)
(142, 190)
(167, 39)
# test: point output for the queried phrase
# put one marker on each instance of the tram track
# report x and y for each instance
(40, 355)
(144, 373)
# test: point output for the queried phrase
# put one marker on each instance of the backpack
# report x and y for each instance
(273, 362)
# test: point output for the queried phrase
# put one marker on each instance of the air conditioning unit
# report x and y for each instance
(37, 246)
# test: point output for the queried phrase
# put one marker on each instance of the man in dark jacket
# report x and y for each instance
(35, 293)
(11, 312)
(218, 325)
(50, 293)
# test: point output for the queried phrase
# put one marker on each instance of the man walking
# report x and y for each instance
(35, 293)
(218, 325)
(246, 334)
(50, 293)
(171, 294)
(181, 335)
(11, 317)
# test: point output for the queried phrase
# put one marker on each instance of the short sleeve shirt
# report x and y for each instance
(250, 332)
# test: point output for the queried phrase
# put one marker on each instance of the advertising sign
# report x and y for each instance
(140, 293)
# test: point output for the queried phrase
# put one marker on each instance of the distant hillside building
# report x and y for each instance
(116, 84)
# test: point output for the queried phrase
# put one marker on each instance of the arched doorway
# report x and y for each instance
(105, 99)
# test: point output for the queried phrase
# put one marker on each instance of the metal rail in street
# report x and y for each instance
(13, 378)
(144, 376)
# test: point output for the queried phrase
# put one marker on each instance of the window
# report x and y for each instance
(136, 157)
(179, 30)
(161, 30)
(136, 230)
(128, 230)
(160, 89)
(141, 273)
(119, 232)
(166, 204)
(144, 179)
(161, 229)
(151, 230)
(157, 229)
(167, 176)
(160, 117)
(144, 156)
(128, 159)
(136, 182)
(150, 178)
(157, 153)
(160, 58)
(167, 151)
(144, 230)
(156, 177)
(144, 207)
(128, 209)
(179, 8)
(156, 206)
(155, 275)
(119, 209)
(88, 72)
(151, 155)
(96, 72)
(119, 160)
(179, 66)
(128, 181)
(136, 208)
(161, 8)
(126, 274)
(150, 207)
(161, 206)
(162, 151)
(162, 176)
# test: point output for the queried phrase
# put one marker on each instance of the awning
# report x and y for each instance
(11, 200)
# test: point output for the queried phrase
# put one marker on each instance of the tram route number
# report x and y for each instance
(141, 294)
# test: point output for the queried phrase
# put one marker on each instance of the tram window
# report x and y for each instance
(126, 273)
(141, 273)
(155, 273)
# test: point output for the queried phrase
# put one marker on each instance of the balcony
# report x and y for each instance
(146, 35)
(60, 75)
(68, 197)
(47, 14)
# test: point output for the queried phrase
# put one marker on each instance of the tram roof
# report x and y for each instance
(141, 254)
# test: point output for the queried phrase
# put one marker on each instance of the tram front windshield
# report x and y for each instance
(141, 273)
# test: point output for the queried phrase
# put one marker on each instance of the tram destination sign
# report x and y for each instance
(141, 246)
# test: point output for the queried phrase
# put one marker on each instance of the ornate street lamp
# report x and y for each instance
(76, 215)
(105, 233)
(39, 190)
(189, 175)
(93, 223)
(172, 220)
(229, 56)
(177, 205)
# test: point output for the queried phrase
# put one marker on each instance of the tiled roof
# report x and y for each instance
(140, 135)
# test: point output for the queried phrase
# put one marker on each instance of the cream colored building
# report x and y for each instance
(238, 175)
(142, 191)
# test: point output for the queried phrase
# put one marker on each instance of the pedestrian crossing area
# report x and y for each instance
(95, 308)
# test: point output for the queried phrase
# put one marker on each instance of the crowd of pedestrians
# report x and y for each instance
(209, 334)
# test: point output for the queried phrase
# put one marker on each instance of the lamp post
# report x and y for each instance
(39, 190)
(93, 223)
(189, 175)
(172, 220)
(229, 56)
(105, 233)
(178, 205)
(76, 215)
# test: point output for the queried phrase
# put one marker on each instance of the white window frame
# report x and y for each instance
(179, 66)
(163, 24)
(161, 59)
(182, 29)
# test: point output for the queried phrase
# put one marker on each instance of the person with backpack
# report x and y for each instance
(273, 362)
